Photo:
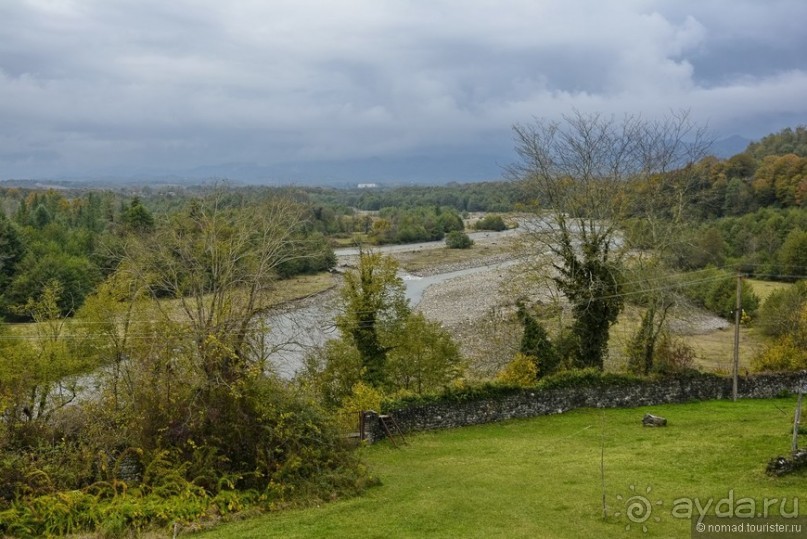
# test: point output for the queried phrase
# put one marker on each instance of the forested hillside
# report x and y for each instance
(748, 212)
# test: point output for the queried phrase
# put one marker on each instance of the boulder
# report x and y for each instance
(650, 420)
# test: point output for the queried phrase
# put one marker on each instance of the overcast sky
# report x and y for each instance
(89, 86)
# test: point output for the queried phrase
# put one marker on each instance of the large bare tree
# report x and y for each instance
(576, 172)
(213, 270)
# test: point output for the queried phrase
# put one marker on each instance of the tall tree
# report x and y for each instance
(218, 263)
(374, 302)
(426, 357)
(12, 250)
(576, 172)
(793, 254)
(137, 218)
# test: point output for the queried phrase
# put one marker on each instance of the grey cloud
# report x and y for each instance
(94, 84)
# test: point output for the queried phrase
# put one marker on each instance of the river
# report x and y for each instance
(296, 330)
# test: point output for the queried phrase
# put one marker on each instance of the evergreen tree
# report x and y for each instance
(535, 343)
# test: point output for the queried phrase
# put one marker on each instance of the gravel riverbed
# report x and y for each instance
(465, 298)
(471, 305)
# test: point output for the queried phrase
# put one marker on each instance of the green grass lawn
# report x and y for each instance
(541, 477)
(763, 289)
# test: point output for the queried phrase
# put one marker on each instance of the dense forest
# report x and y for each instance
(159, 296)
(78, 239)
(746, 212)
(473, 197)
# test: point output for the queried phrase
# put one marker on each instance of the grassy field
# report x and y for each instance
(541, 477)
(298, 287)
(715, 349)
(416, 261)
(763, 289)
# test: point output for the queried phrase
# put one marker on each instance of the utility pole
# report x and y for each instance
(737, 313)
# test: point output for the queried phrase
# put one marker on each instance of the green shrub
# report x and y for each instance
(716, 291)
(566, 379)
(457, 239)
(491, 222)
(673, 355)
(784, 355)
(590, 377)
(788, 352)
(486, 390)
(362, 398)
(536, 344)
(779, 314)
(267, 446)
(521, 371)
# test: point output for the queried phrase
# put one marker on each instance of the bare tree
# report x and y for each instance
(576, 172)
(214, 270)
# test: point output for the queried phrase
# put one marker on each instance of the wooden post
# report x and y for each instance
(796, 421)
(737, 312)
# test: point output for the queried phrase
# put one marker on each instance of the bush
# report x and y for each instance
(491, 222)
(262, 445)
(590, 377)
(789, 351)
(362, 398)
(673, 355)
(486, 390)
(716, 291)
(535, 343)
(333, 370)
(521, 371)
(458, 240)
(779, 314)
(784, 355)
(722, 298)
(574, 378)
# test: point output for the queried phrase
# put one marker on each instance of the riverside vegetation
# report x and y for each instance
(136, 380)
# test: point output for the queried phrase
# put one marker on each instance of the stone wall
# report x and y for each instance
(534, 402)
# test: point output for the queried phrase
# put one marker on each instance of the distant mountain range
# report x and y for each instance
(393, 170)
(730, 146)
(421, 169)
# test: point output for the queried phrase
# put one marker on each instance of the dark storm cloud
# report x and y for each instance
(745, 38)
(93, 84)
